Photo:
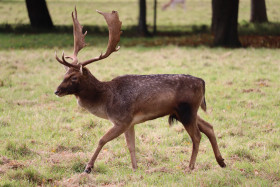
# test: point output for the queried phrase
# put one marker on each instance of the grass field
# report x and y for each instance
(45, 140)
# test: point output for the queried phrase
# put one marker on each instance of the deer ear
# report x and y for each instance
(81, 70)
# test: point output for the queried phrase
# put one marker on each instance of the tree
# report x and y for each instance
(142, 24)
(224, 23)
(38, 14)
(258, 11)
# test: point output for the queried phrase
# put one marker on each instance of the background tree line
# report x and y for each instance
(224, 18)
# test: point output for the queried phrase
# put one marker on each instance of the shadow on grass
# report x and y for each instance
(130, 31)
(23, 36)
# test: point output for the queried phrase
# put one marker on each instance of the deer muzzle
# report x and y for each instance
(56, 92)
(59, 92)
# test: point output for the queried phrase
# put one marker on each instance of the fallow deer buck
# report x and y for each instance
(131, 99)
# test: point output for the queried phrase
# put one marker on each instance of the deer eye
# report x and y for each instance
(74, 78)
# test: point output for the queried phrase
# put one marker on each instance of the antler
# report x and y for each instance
(114, 26)
(64, 62)
(79, 43)
(79, 37)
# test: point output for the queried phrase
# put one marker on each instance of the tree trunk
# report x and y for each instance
(38, 14)
(258, 11)
(224, 23)
(142, 24)
(155, 17)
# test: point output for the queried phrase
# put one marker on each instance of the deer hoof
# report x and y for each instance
(191, 166)
(87, 170)
(222, 163)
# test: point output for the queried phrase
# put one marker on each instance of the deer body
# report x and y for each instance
(138, 98)
(131, 99)
(134, 99)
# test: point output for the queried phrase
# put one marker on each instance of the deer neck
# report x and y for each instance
(91, 86)
(93, 96)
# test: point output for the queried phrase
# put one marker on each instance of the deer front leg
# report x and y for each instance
(208, 130)
(130, 141)
(113, 133)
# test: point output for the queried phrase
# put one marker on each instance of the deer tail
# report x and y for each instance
(203, 102)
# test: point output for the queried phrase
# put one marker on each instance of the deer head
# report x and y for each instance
(76, 73)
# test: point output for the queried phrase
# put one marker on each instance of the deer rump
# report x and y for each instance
(146, 97)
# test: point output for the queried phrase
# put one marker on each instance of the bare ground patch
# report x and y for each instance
(7, 164)
(83, 179)
(160, 169)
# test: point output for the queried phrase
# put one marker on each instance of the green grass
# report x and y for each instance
(49, 140)
(45, 140)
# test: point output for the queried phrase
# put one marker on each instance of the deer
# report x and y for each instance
(173, 3)
(132, 99)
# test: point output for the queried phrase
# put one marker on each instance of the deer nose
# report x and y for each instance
(56, 92)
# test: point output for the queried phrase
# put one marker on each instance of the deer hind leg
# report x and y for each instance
(113, 133)
(195, 135)
(187, 116)
(130, 141)
(208, 130)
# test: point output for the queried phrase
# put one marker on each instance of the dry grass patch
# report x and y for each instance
(78, 180)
